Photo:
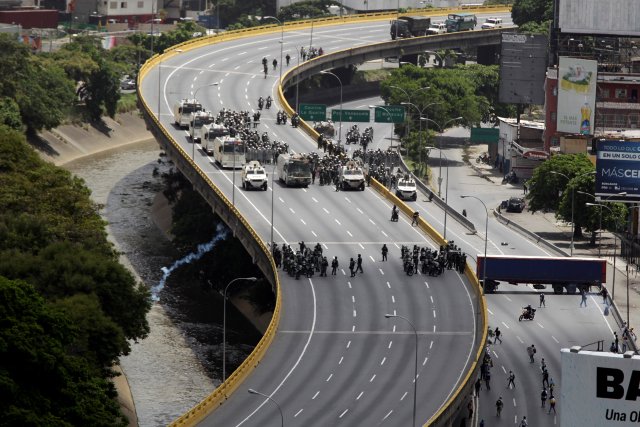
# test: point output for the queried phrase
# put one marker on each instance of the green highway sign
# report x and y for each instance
(382, 114)
(351, 115)
(313, 112)
(488, 135)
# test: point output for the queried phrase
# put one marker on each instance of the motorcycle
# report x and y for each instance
(510, 178)
(268, 103)
(260, 103)
(394, 216)
(527, 315)
(295, 120)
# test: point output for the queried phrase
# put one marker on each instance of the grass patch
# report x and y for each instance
(128, 102)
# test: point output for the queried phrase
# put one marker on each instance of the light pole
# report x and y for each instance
(623, 194)
(613, 287)
(273, 190)
(421, 111)
(486, 237)
(281, 41)
(252, 391)
(415, 374)
(340, 129)
(409, 99)
(436, 54)
(573, 226)
(224, 323)
(446, 196)
(440, 131)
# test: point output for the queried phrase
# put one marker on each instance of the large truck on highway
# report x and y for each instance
(570, 273)
(460, 22)
(229, 152)
(210, 132)
(198, 120)
(294, 169)
(409, 26)
(182, 110)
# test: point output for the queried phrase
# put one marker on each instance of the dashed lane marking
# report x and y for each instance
(298, 413)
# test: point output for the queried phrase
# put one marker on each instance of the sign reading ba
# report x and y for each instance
(618, 170)
(361, 116)
(389, 114)
(313, 112)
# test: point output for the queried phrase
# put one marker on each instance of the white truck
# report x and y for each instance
(406, 188)
(352, 176)
(437, 28)
(210, 132)
(229, 152)
(198, 120)
(182, 110)
(491, 23)
(254, 177)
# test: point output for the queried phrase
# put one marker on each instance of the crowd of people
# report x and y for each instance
(435, 262)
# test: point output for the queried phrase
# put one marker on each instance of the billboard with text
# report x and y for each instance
(618, 170)
(576, 95)
(599, 389)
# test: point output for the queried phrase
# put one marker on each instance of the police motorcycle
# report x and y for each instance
(260, 103)
(281, 118)
(394, 214)
(528, 313)
(295, 120)
(269, 101)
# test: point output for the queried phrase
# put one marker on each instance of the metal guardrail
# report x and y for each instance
(217, 397)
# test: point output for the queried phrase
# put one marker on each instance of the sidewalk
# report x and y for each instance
(555, 237)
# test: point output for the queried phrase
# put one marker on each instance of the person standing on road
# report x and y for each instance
(334, 265)
(531, 350)
(524, 422)
(545, 378)
(498, 333)
(542, 301)
(543, 365)
(583, 298)
(478, 386)
(359, 268)
(543, 397)
(415, 218)
(604, 294)
(385, 251)
(552, 405)
(499, 405)
(512, 378)
(487, 379)
(352, 267)
(288, 58)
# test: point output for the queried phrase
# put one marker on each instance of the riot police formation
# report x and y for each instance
(304, 261)
(433, 263)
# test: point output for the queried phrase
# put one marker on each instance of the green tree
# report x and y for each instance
(41, 382)
(306, 9)
(524, 11)
(10, 114)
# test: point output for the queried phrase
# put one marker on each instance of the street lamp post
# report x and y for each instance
(415, 374)
(420, 111)
(409, 103)
(486, 237)
(624, 193)
(441, 131)
(446, 196)
(224, 323)
(252, 391)
(340, 128)
(615, 246)
(573, 225)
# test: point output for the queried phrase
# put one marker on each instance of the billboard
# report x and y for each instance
(599, 389)
(576, 95)
(523, 67)
(618, 170)
(614, 17)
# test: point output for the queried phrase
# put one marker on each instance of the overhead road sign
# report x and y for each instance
(389, 114)
(313, 112)
(485, 135)
(362, 116)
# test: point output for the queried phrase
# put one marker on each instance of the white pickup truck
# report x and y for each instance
(491, 23)
(437, 28)
(406, 188)
(254, 176)
(352, 176)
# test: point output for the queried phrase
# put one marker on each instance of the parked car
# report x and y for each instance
(128, 84)
(515, 204)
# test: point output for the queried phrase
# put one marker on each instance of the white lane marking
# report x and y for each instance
(235, 68)
(297, 362)
(431, 296)
(388, 415)
(298, 413)
(424, 362)
(506, 326)
(430, 345)
(490, 312)
(329, 378)
(388, 285)
(371, 221)
(315, 395)
(385, 234)
(404, 395)
(360, 244)
(242, 53)
(359, 210)
(354, 313)
(372, 378)
(434, 314)
(314, 233)
(347, 199)
(302, 221)
(225, 59)
(555, 339)
(426, 284)
(353, 298)
(372, 259)
(349, 344)
(393, 299)
(384, 359)
(349, 233)
(325, 211)
(292, 211)
(514, 402)
(539, 324)
(360, 395)
(325, 246)
(343, 413)
(520, 339)
(390, 343)
(280, 198)
(381, 272)
(508, 299)
(314, 199)
(340, 361)
(336, 220)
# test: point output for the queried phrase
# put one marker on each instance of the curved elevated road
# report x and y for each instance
(335, 360)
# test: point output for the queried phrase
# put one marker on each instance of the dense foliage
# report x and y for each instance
(563, 180)
(68, 307)
(532, 16)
